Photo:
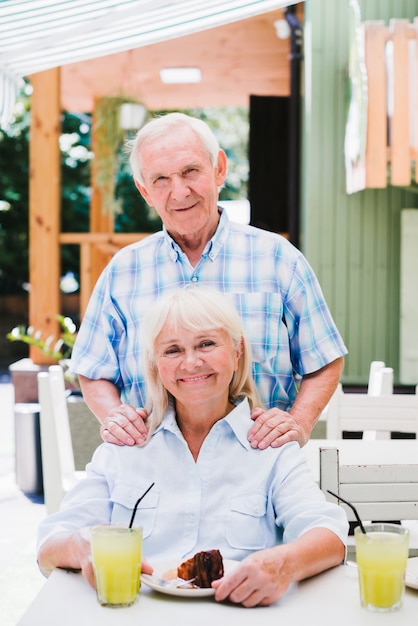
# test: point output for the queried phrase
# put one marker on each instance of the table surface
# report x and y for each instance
(66, 598)
(331, 597)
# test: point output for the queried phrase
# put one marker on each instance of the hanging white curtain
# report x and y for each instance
(37, 35)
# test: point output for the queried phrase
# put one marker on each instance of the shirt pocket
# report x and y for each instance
(247, 522)
(124, 498)
(262, 315)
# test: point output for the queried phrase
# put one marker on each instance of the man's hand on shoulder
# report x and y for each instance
(125, 426)
(274, 428)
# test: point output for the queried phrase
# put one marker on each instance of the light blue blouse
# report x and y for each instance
(234, 498)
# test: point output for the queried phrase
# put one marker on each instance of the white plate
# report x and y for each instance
(161, 568)
(411, 575)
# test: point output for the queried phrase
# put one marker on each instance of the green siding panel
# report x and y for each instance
(352, 242)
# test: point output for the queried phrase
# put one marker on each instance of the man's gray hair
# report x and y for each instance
(159, 127)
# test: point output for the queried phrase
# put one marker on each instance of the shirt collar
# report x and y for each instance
(213, 246)
(239, 420)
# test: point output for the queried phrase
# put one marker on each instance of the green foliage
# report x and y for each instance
(231, 127)
(230, 124)
(136, 216)
(14, 193)
(14, 199)
(57, 349)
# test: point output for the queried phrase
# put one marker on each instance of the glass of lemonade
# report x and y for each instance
(382, 554)
(117, 556)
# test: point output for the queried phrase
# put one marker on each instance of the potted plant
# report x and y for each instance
(58, 349)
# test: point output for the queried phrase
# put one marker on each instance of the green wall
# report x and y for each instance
(352, 241)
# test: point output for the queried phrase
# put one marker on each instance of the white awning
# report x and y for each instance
(37, 35)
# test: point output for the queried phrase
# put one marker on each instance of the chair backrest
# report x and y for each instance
(56, 445)
(380, 383)
(379, 492)
(380, 379)
(359, 412)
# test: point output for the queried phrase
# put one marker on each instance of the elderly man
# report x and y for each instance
(298, 354)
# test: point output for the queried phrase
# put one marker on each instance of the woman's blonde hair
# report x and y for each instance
(195, 308)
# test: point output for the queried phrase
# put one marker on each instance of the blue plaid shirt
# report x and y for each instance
(271, 283)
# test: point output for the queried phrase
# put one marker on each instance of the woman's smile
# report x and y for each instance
(195, 379)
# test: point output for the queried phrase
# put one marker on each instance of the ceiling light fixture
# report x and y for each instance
(180, 75)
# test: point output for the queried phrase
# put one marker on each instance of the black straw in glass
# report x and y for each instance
(137, 502)
(352, 507)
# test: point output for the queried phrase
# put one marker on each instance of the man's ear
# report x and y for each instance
(221, 168)
(143, 192)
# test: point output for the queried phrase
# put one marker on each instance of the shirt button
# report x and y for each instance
(194, 279)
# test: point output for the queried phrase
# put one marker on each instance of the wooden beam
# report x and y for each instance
(108, 243)
(376, 146)
(399, 140)
(44, 207)
(414, 86)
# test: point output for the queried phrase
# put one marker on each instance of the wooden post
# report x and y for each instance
(400, 154)
(376, 145)
(414, 86)
(44, 210)
(100, 222)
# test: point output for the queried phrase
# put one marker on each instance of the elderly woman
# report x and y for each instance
(272, 516)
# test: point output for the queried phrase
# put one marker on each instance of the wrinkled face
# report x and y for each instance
(181, 183)
(196, 366)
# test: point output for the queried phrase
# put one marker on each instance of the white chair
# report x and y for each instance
(378, 492)
(360, 412)
(380, 384)
(58, 468)
(380, 379)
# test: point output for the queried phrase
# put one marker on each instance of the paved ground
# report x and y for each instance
(20, 579)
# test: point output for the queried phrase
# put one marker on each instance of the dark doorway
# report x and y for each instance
(268, 188)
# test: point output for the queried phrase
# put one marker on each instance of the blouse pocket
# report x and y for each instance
(124, 498)
(247, 522)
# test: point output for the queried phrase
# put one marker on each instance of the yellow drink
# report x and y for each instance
(116, 553)
(382, 555)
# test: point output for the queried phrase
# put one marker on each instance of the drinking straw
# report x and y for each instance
(137, 502)
(352, 507)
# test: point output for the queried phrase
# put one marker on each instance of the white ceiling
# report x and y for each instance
(36, 35)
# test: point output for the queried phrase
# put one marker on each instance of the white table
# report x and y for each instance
(329, 599)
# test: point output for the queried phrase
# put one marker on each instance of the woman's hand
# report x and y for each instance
(146, 568)
(81, 549)
(124, 425)
(67, 550)
(263, 577)
(259, 580)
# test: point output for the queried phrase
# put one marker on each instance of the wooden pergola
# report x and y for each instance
(236, 60)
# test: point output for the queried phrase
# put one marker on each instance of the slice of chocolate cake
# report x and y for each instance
(204, 567)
